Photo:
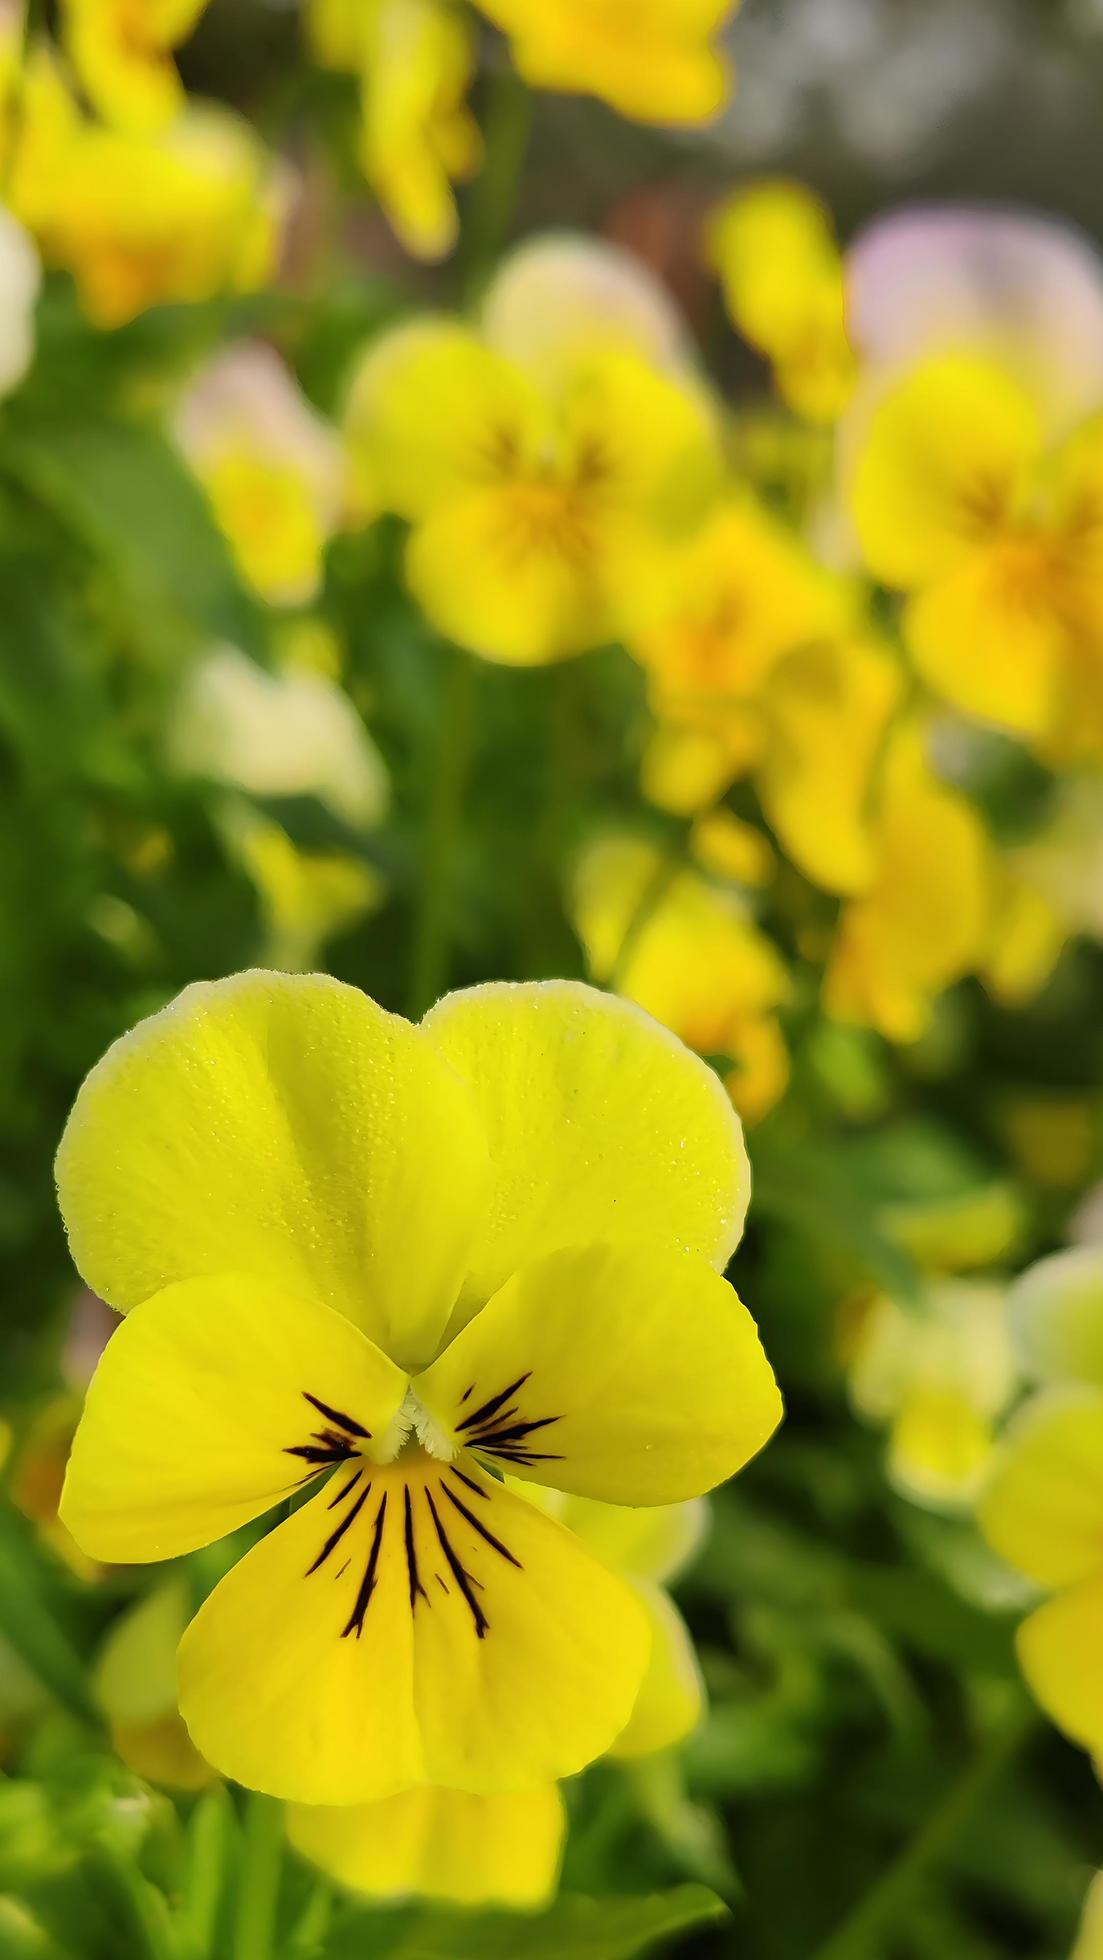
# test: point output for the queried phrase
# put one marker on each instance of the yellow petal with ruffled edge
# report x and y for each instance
(630, 1374)
(600, 1124)
(1043, 1508)
(1056, 1314)
(672, 1694)
(428, 1627)
(941, 467)
(1059, 1648)
(285, 1127)
(211, 1401)
(439, 1844)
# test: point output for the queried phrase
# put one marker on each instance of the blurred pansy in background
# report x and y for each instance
(549, 610)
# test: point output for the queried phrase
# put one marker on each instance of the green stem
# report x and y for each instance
(493, 198)
(429, 962)
(861, 1936)
(258, 1879)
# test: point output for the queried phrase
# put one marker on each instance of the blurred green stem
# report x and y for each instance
(455, 738)
(258, 1879)
(493, 197)
(862, 1936)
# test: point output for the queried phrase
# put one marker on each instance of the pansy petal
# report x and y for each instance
(654, 1541)
(1043, 1508)
(439, 1844)
(636, 1376)
(211, 1401)
(940, 466)
(1056, 1315)
(1059, 1648)
(989, 642)
(284, 1126)
(448, 1632)
(672, 1695)
(600, 1124)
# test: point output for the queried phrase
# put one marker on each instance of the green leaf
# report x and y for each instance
(29, 1619)
(124, 490)
(571, 1929)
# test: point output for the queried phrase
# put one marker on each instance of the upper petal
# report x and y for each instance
(451, 1633)
(212, 1400)
(286, 1127)
(600, 1125)
(439, 1844)
(636, 1376)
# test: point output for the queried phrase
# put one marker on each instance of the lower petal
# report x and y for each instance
(441, 1630)
(439, 1844)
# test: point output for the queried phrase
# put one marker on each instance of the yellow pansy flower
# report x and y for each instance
(506, 1849)
(922, 921)
(690, 954)
(774, 248)
(414, 60)
(409, 1257)
(747, 594)
(305, 897)
(938, 1376)
(122, 53)
(654, 60)
(998, 542)
(270, 465)
(543, 518)
(1043, 1508)
(194, 212)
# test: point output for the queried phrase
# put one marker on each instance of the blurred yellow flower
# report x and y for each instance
(357, 1250)
(938, 1375)
(193, 212)
(414, 60)
(690, 953)
(122, 53)
(654, 60)
(544, 518)
(20, 281)
(998, 541)
(1043, 1508)
(306, 897)
(270, 465)
(135, 1684)
(1089, 1944)
(782, 274)
(922, 921)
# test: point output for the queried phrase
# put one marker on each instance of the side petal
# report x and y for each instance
(600, 1124)
(439, 1844)
(655, 1541)
(211, 1401)
(1059, 1647)
(286, 1127)
(672, 1693)
(636, 1376)
(988, 643)
(940, 466)
(452, 1634)
(1043, 1507)
(1056, 1315)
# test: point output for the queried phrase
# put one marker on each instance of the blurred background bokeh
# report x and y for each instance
(807, 759)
